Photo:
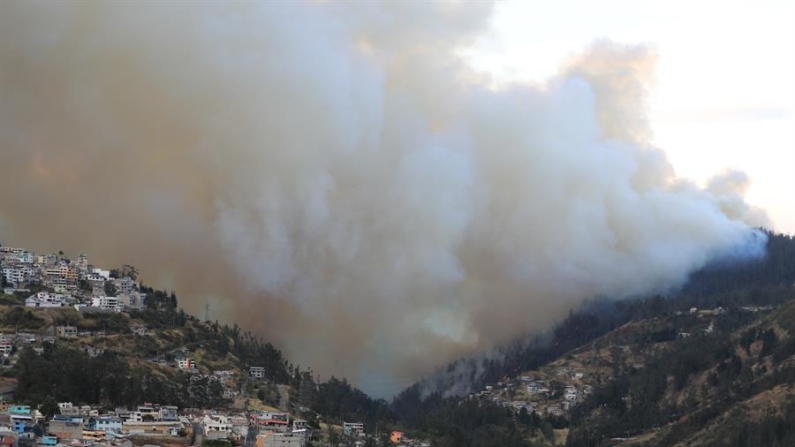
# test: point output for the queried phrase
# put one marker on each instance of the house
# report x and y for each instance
(14, 275)
(353, 429)
(133, 300)
(271, 420)
(156, 428)
(94, 352)
(49, 440)
(396, 437)
(256, 372)
(21, 418)
(139, 330)
(66, 427)
(273, 439)
(216, 427)
(169, 413)
(47, 300)
(106, 423)
(185, 363)
(108, 303)
(299, 424)
(125, 285)
(570, 393)
(67, 409)
(554, 410)
(66, 331)
(6, 345)
(145, 413)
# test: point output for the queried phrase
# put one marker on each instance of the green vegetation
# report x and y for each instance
(22, 319)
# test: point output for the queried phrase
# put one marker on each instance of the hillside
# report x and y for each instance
(672, 370)
(682, 369)
(126, 358)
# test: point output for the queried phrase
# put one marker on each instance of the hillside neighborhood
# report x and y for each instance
(93, 357)
(51, 300)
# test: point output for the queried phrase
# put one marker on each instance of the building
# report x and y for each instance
(15, 276)
(105, 424)
(125, 286)
(94, 352)
(299, 424)
(109, 303)
(66, 331)
(271, 420)
(216, 427)
(256, 372)
(169, 413)
(47, 300)
(185, 363)
(21, 418)
(274, 439)
(353, 429)
(66, 427)
(6, 344)
(132, 300)
(145, 413)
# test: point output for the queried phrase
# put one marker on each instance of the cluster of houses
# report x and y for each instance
(74, 283)
(541, 396)
(83, 426)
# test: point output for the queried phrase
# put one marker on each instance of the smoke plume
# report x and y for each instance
(335, 177)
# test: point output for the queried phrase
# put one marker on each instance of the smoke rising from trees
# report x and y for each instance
(335, 177)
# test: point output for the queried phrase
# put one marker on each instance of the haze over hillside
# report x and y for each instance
(335, 177)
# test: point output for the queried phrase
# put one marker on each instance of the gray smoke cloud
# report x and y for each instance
(335, 177)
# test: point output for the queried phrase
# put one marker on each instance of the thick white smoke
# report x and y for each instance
(336, 178)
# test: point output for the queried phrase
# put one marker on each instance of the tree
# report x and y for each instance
(49, 407)
(148, 418)
(85, 286)
(130, 271)
(110, 288)
(333, 437)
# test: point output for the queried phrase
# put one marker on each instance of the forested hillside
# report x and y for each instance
(732, 286)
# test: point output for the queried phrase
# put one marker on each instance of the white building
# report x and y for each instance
(257, 372)
(353, 429)
(186, 363)
(45, 299)
(6, 344)
(14, 275)
(66, 331)
(216, 426)
(273, 439)
(110, 303)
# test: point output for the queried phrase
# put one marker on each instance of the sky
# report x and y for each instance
(724, 96)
